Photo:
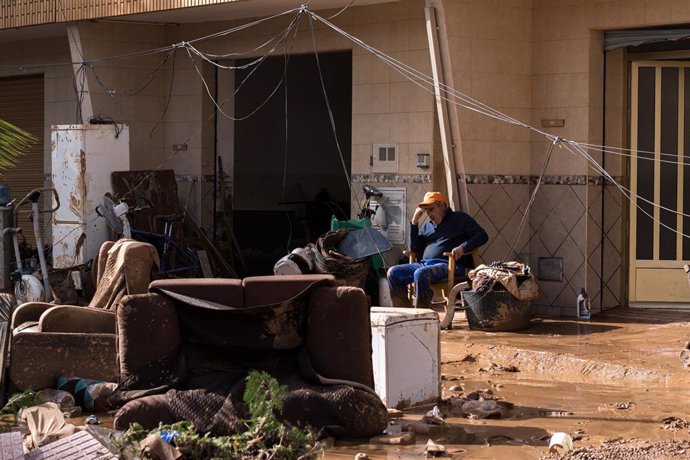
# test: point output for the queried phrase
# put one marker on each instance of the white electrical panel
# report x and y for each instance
(389, 216)
(385, 158)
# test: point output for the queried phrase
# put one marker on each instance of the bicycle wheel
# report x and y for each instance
(183, 260)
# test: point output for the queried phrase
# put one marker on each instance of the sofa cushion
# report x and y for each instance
(272, 290)
(148, 411)
(217, 290)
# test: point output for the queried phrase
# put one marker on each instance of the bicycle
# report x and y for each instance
(187, 258)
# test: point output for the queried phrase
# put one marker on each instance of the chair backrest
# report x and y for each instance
(123, 267)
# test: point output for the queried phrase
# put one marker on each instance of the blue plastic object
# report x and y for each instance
(169, 436)
(364, 242)
(4, 194)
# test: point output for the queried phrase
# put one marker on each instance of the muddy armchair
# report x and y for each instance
(312, 335)
(51, 340)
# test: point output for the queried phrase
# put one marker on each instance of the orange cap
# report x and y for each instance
(433, 197)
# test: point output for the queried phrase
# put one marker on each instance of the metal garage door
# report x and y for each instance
(21, 103)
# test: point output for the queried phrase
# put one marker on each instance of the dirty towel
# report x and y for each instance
(46, 424)
(124, 267)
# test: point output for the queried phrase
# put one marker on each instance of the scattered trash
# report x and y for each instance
(361, 456)
(417, 427)
(73, 446)
(170, 436)
(46, 424)
(434, 417)
(63, 399)
(482, 395)
(394, 413)
(493, 367)
(685, 357)
(560, 443)
(92, 420)
(155, 447)
(622, 405)
(299, 262)
(486, 409)
(584, 309)
(555, 413)
(91, 395)
(579, 434)
(401, 439)
(364, 242)
(434, 450)
(674, 423)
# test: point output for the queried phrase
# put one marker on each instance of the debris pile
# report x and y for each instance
(632, 449)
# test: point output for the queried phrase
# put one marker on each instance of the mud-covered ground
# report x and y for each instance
(614, 383)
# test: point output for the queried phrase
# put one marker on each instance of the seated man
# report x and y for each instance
(447, 231)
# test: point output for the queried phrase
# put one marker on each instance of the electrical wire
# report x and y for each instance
(285, 160)
(169, 98)
(544, 165)
(328, 106)
(342, 10)
(218, 109)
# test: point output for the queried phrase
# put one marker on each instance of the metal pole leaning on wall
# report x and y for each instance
(447, 117)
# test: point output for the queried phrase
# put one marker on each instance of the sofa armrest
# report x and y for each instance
(69, 318)
(30, 311)
(339, 334)
(147, 329)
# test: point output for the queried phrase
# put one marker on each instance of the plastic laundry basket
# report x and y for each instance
(496, 311)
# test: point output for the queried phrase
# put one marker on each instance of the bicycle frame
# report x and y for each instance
(164, 244)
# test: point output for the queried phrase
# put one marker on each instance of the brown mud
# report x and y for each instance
(615, 383)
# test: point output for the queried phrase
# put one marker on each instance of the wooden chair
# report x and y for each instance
(446, 291)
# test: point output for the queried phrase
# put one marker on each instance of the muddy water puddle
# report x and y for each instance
(614, 380)
(591, 413)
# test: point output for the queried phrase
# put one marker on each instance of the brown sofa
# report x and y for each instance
(48, 340)
(185, 347)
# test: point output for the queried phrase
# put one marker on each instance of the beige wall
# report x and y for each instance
(132, 102)
(491, 52)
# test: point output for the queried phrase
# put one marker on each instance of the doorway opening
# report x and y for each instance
(288, 173)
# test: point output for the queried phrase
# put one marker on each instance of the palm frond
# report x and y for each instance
(14, 142)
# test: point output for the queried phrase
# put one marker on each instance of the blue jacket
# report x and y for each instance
(456, 229)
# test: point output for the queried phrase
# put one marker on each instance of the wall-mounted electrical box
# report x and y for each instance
(423, 160)
(385, 158)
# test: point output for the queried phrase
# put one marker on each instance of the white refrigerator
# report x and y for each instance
(82, 159)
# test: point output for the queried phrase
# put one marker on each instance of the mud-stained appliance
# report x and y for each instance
(83, 157)
(406, 356)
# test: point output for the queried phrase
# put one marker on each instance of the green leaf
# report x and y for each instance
(14, 142)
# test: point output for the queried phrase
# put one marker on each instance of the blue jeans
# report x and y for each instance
(423, 274)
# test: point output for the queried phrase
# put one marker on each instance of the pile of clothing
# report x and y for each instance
(514, 277)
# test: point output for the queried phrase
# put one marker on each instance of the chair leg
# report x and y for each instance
(401, 302)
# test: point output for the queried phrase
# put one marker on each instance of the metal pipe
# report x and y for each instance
(39, 248)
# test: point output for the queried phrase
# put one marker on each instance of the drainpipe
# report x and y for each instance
(447, 112)
(85, 108)
(603, 191)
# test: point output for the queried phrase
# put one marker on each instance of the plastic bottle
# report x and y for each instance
(583, 306)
